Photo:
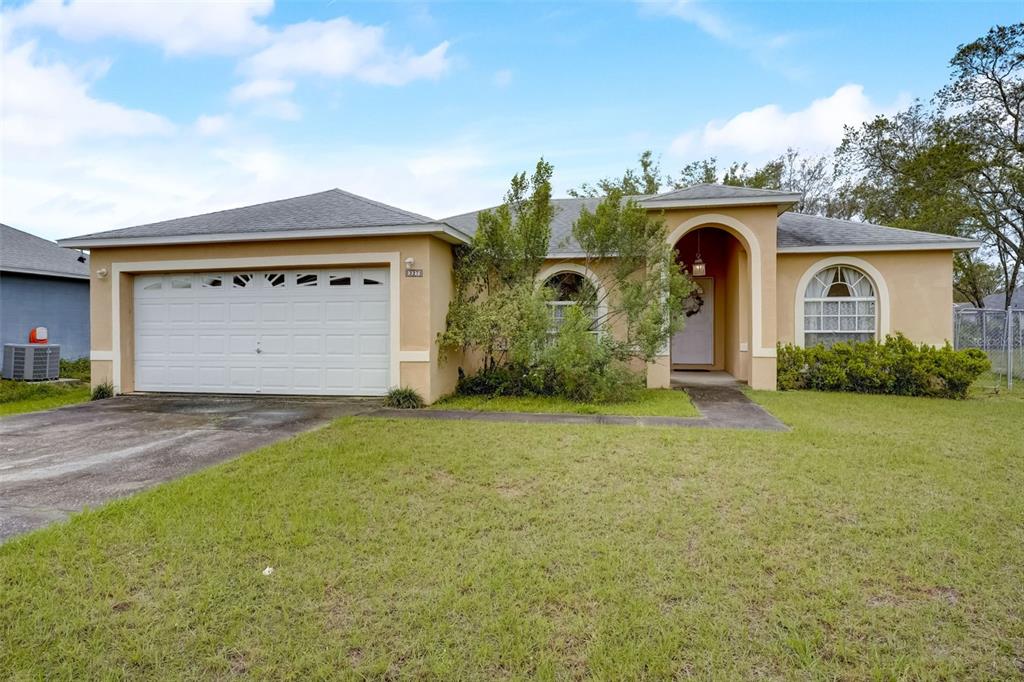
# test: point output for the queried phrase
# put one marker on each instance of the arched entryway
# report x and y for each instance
(717, 331)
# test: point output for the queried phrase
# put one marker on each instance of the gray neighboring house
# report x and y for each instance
(43, 285)
(997, 300)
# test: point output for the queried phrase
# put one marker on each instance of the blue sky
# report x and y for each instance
(117, 114)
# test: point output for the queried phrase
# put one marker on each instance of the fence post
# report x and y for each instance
(1009, 348)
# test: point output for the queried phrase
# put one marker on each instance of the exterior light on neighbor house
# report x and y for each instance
(699, 268)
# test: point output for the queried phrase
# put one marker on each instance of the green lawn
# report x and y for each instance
(882, 538)
(22, 396)
(648, 402)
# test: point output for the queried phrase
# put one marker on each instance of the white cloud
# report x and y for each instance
(183, 26)
(343, 48)
(46, 104)
(763, 46)
(769, 130)
(258, 89)
(503, 78)
(212, 125)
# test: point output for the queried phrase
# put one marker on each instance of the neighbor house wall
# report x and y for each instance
(59, 304)
(919, 284)
(422, 301)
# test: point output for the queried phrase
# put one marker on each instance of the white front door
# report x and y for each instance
(695, 344)
(305, 332)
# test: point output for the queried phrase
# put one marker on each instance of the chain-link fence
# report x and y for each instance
(1000, 333)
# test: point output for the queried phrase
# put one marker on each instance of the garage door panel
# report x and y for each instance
(212, 313)
(212, 344)
(212, 378)
(304, 345)
(274, 345)
(340, 311)
(274, 313)
(317, 332)
(243, 313)
(307, 311)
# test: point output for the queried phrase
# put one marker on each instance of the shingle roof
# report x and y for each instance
(797, 231)
(998, 300)
(324, 210)
(24, 252)
(716, 192)
(566, 213)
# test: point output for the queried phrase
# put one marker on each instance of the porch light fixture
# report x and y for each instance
(699, 268)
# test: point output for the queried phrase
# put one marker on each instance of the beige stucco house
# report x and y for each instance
(335, 294)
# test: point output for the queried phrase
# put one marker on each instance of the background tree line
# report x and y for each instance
(953, 165)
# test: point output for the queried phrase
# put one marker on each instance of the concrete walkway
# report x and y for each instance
(720, 400)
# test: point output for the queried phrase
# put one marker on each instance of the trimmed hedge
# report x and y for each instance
(896, 366)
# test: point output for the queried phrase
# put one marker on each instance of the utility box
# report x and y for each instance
(31, 362)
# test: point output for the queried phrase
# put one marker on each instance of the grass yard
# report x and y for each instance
(883, 538)
(17, 397)
(22, 396)
(648, 402)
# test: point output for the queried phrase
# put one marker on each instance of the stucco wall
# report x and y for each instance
(423, 301)
(61, 305)
(919, 284)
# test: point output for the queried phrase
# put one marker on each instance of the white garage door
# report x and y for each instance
(277, 331)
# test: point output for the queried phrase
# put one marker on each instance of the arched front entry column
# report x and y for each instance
(757, 298)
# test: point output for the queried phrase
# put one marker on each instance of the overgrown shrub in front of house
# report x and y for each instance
(500, 311)
(103, 391)
(896, 366)
(404, 398)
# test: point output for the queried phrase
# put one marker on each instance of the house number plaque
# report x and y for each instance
(409, 272)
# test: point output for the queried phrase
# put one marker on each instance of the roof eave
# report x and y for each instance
(965, 245)
(44, 273)
(440, 230)
(784, 202)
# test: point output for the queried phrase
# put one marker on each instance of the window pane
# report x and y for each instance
(370, 282)
(848, 323)
(848, 308)
(831, 307)
(811, 323)
(242, 280)
(181, 282)
(306, 280)
(274, 279)
(337, 281)
(812, 307)
(210, 281)
(154, 285)
(866, 324)
(830, 323)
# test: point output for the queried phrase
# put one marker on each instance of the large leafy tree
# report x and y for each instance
(983, 106)
(500, 309)
(646, 178)
(497, 308)
(643, 287)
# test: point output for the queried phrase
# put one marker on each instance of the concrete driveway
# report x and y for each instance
(55, 463)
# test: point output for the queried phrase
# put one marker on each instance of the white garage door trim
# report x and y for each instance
(389, 259)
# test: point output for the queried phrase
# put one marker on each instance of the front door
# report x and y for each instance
(695, 344)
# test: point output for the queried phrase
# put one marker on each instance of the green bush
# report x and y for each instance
(576, 364)
(404, 399)
(75, 369)
(896, 366)
(103, 391)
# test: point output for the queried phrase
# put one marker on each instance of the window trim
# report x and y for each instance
(882, 307)
(561, 268)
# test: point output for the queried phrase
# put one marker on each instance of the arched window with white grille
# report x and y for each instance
(840, 304)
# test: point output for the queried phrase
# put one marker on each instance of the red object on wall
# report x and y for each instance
(38, 335)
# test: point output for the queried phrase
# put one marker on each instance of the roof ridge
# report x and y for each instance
(380, 204)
